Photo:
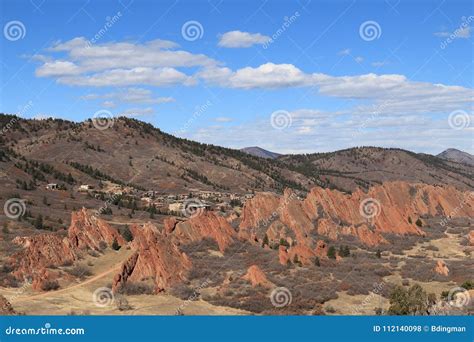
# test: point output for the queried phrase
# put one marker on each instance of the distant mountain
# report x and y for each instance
(260, 152)
(457, 156)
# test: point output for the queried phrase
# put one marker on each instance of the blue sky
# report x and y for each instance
(293, 77)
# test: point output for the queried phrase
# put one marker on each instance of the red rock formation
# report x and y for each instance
(283, 255)
(6, 308)
(384, 209)
(170, 224)
(51, 250)
(206, 225)
(471, 237)
(321, 250)
(39, 252)
(441, 268)
(256, 277)
(88, 231)
(155, 258)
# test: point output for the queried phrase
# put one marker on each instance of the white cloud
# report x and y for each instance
(345, 52)
(131, 95)
(359, 59)
(239, 39)
(412, 132)
(135, 112)
(159, 77)
(122, 62)
(223, 119)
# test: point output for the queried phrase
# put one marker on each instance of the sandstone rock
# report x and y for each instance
(6, 308)
(156, 257)
(51, 250)
(303, 254)
(40, 251)
(471, 237)
(321, 249)
(206, 225)
(256, 277)
(87, 231)
(384, 209)
(283, 255)
(170, 224)
(441, 268)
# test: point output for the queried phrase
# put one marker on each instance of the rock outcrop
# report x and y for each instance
(393, 207)
(87, 231)
(256, 277)
(471, 237)
(206, 225)
(441, 268)
(39, 252)
(156, 258)
(44, 251)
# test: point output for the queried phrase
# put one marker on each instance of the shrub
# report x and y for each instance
(332, 252)
(127, 234)
(419, 223)
(138, 288)
(80, 271)
(50, 285)
(115, 246)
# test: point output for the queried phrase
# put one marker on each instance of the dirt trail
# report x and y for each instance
(88, 281)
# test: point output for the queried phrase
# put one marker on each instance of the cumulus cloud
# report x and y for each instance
(239, 39)
(160, 63)
(154, 62)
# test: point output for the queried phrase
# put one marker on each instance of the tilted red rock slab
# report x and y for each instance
(207, 224)
(155, 258)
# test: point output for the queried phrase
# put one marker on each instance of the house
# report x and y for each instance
(85, 187)
(177, 206)
(52, 186)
